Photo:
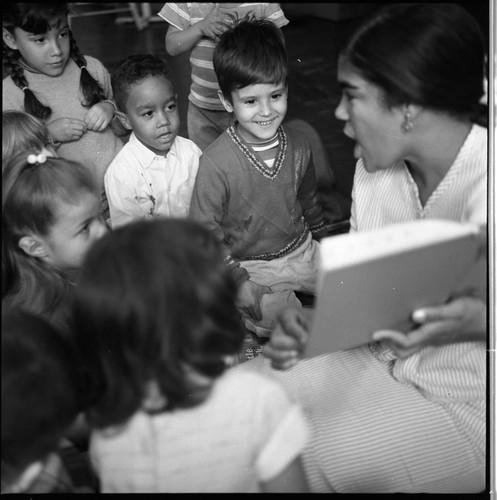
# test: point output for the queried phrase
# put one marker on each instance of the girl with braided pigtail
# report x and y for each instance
(49, 78)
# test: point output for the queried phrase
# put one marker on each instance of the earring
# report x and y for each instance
(407, 125)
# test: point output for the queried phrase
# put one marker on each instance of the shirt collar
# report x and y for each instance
(146, 155)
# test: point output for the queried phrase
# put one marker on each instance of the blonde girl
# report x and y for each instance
(24, 132)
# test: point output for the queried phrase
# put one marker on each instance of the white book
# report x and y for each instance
(374, 280)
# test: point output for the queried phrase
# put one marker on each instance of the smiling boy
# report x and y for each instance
(256, 186)
(153, 175)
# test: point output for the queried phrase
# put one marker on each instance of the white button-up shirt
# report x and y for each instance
(140, 185)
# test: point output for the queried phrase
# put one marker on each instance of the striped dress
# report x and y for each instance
(204, 86)
(385, 425)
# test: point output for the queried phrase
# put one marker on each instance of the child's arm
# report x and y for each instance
(213, 25)
(290, 480)
(283, 438)
(309, 199)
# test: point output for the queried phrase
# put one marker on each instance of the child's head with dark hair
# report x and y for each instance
(432, 55)
(155, 317)
(251, 66)
(26, 23)
(251, 52)
(133, 70)
(40, 392)
(145, 96)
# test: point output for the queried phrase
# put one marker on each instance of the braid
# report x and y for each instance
(91, 89)
(31, 103)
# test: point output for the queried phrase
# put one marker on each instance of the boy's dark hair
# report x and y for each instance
(35, 18)
(251, 52)
(40, 393)
(134, 69)
(154, 299)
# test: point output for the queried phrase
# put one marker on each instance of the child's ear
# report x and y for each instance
(33, 246)
(227, 105)
(123, 118)
(9, 39)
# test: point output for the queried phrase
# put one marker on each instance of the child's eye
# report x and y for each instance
(147, 114)
(64, 34)
(250, 101)
(171, 107)
(275, 97)
(39, 40)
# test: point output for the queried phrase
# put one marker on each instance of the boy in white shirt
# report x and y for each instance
(154, 173)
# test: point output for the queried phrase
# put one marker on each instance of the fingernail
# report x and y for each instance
(419, 316)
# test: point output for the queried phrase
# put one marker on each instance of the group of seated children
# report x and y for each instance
(231, 231)
(132, 269)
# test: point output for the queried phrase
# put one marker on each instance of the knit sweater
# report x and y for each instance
(62, 93)
(256, 212)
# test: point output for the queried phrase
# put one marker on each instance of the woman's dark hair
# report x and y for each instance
(134, 69)
(36, 18)
(251, 52)
(153, 299)
(40, 392)
(427, 54)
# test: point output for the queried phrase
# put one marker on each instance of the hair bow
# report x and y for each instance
(33, 159)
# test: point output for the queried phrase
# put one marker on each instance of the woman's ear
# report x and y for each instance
(123, 118)
(408, 114)
(9, 40)
(227, 105)
(33, 246)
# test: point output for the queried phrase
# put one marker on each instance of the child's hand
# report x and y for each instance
(249, 299)
(288, 339)
(462, 320)
(215, 23)
(99, 116)
(66, 129)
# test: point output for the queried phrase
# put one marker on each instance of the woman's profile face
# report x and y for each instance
(368, 121)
